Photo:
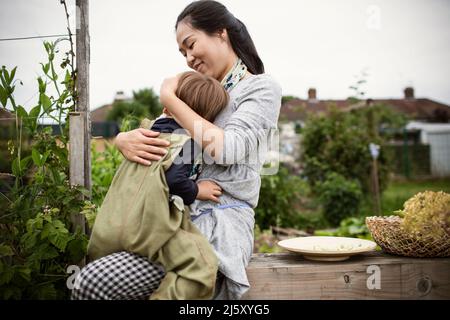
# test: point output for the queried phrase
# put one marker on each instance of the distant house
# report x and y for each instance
(101, 127)
(417, 109)
(428, 118)
(437, 136)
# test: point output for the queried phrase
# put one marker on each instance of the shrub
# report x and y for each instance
(339, 142)
(339, 197)
(278, 197)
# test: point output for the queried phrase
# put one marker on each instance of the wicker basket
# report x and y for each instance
(389, 234)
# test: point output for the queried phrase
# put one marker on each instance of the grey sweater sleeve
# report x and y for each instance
(257, 111)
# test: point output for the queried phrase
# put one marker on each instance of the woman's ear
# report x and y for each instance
(223, 34)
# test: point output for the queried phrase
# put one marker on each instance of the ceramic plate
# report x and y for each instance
(327, 248)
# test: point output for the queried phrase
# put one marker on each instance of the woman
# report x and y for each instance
(215, 43)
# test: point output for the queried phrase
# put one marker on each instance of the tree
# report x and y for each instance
(145, 104)
(148, 98)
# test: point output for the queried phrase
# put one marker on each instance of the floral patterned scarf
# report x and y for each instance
(234, 75)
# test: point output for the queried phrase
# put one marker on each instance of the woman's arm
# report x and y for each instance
(141, 145)
(206, 134)
(245, 131)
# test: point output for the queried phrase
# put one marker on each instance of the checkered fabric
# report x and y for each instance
(118, 276)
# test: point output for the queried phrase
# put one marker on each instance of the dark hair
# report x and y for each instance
(210, 17)
(204, 94)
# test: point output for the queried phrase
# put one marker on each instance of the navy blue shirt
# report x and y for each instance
(178, 176)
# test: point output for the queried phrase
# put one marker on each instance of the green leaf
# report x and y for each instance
(46, 230)
(13, 74)
(25, 162)
(45, 67)
(6, 77)
(56, 175)
(21, 112)
(37, 157)
(46, 292)
(2, 77)
(28, 240)
(45, 156)
(59, 235)
(44, 252)
(11, 292)
(6, 276)
(3, 96)
(77, 248)
(16, 167)
(42, 85)
(5, 250)
(35, 111)
(45, 102)
(23, 273)
(67, 78)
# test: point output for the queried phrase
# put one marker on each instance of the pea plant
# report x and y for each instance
(37, 239)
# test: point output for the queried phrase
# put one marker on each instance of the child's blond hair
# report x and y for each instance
(204, 94)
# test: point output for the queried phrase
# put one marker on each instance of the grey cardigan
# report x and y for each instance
(253, 109)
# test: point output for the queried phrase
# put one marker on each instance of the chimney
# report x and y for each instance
(120, 96)
(409, 93)
(312, 95)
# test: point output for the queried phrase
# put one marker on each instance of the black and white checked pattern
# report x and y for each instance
(118, 276)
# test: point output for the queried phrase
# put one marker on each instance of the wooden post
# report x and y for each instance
(376, 186)
(374, 152)
(80, 128)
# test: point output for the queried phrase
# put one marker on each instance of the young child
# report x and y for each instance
(145, 210)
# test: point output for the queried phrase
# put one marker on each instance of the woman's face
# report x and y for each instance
(208, 54)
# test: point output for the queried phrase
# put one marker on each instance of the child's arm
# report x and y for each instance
(179, 184)
(177, 177)
(179, 181)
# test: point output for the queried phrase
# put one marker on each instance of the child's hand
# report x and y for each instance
(208, 190)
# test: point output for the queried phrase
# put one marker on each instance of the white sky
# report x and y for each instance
(303, 44)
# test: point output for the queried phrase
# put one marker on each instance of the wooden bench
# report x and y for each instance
(376, 275)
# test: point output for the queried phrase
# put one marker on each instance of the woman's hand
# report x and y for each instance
(141, 145)
(208, 190)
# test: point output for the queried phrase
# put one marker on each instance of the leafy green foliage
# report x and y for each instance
(129, 111)
(277, 195)
(38, 240)
(150, 99)
(265, 241)
(353, 227)
(104, 167)
(340, 197)
(339, 142)
(145, 104)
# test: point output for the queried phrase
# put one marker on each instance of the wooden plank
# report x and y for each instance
(77, 165)
(291, 277)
